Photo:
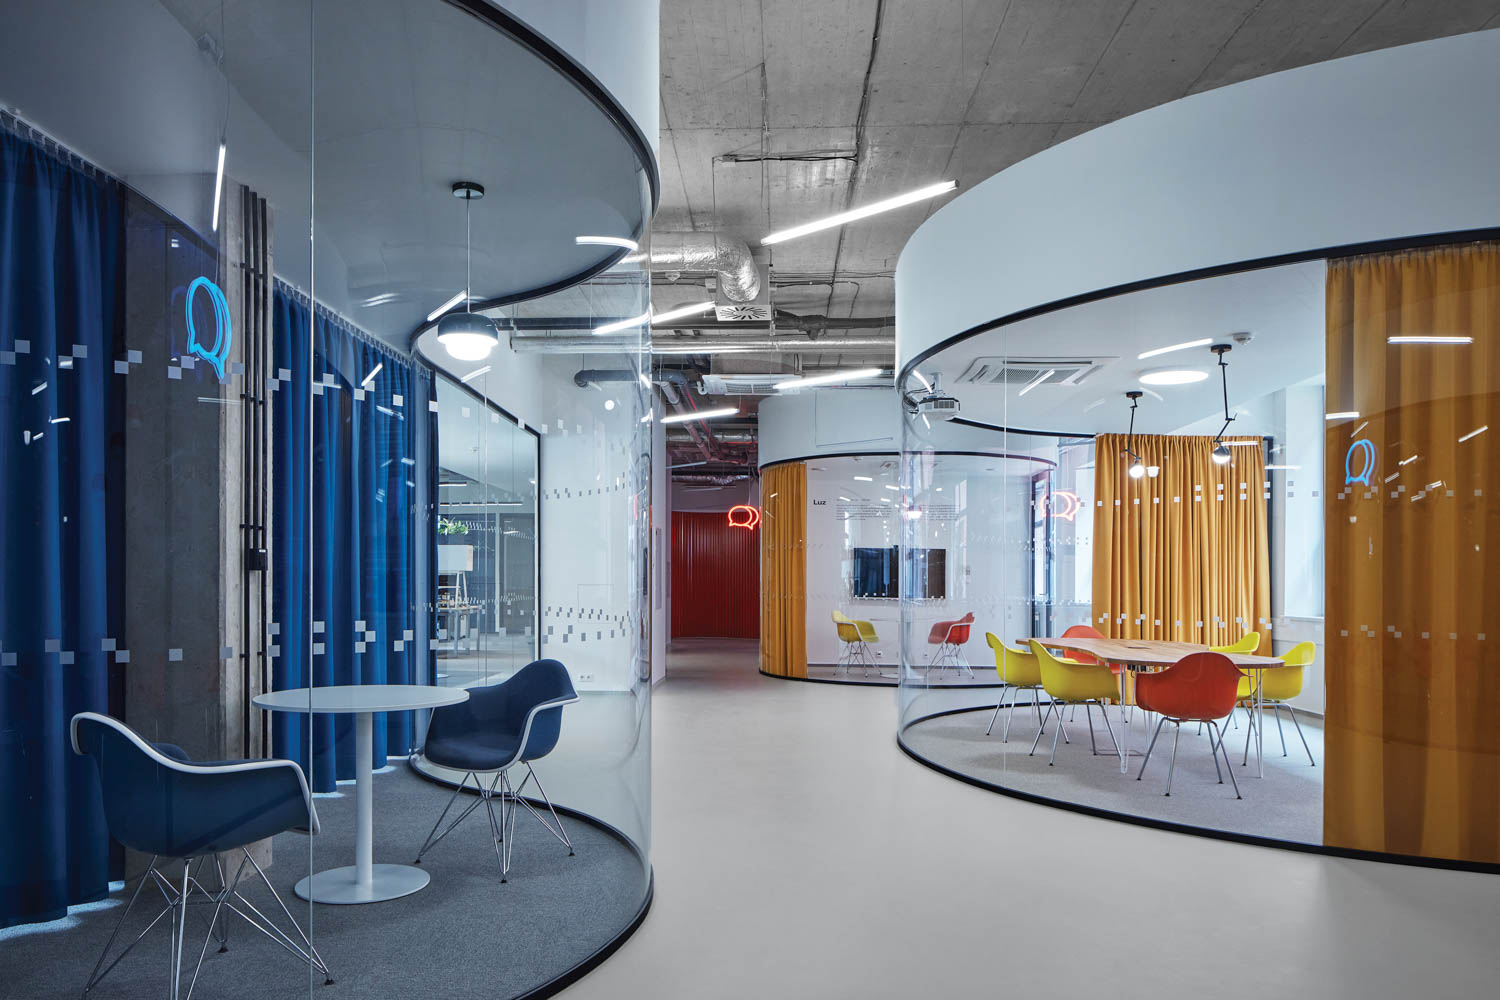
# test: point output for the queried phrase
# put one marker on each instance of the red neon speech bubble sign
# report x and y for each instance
(1063, 505)
(744, 516)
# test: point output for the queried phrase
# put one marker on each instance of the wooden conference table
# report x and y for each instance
(1151, 654)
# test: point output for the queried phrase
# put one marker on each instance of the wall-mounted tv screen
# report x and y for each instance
(876, 573)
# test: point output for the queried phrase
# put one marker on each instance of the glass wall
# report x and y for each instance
(1277, 494)
(235, 496)
(154, 430)
(486, 596)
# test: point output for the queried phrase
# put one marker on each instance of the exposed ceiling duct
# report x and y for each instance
(726, 256)
(715, 343)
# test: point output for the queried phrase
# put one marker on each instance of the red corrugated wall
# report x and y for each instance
(715, 578)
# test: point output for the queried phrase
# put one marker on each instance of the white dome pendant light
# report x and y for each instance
(467, 336)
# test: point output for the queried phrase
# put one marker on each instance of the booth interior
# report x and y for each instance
(318, 562)
(835, 579)
(1290, 465)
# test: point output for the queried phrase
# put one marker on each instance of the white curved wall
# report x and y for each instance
(615, 40)
(852, 421)
(1396, 143)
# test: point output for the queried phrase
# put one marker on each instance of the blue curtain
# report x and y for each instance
(365, 404)
(61, 324)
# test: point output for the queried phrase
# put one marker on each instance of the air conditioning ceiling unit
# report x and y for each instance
(757, 310)
(1021, 372)
(758, 384)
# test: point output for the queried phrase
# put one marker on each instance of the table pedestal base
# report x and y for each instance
(340, 885)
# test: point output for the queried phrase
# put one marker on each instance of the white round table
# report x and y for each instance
(364, 881)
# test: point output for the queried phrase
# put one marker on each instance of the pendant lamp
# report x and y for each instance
(467, 336)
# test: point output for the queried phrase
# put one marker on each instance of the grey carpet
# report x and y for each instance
(465, 935)
(1286, 804)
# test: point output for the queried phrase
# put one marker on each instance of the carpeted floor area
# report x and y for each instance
(464, 935)
(1286, 804)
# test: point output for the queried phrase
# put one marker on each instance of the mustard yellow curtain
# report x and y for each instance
(783, 570)
(1182, 556)
(1412, 571)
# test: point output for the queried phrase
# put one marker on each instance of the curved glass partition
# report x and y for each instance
(543, 518)
(246, 523)
(1291, 466)
(857, 580)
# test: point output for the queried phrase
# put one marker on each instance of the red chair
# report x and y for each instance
(1089, 632)
(949, 638)
(1086, 632)
(1200, 687)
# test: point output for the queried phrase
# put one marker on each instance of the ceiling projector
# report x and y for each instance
(935, 403)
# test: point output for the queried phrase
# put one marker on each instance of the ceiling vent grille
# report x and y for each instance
(1020, 372)
(742, 313)
(743, 385)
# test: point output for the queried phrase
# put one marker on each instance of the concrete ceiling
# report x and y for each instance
(776, 112)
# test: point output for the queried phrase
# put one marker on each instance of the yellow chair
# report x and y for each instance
(1248, 643)
(1279, 685)
(1019, 671)
(1068, 683)
(855, 635)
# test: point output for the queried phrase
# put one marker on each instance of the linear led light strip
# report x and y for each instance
(1044, 376)
(1474, 433)
(474, 374)
(678, 418)
(828, 379)
(457, 298)
(607, 241)
(1175, 347)
(218, 184)
(863, 212)
(1429, 340)
(653, 318)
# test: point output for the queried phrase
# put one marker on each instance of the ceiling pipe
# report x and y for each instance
(670, 382)
(726, 437)
(764, 344)
(726, 256)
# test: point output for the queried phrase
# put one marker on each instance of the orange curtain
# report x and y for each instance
(783, 570)
(1182, 556)
(1412, 580)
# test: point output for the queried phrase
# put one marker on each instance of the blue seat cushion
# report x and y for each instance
(485, 750)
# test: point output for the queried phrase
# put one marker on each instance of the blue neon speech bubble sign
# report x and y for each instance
(223, 335)
(1364, 448)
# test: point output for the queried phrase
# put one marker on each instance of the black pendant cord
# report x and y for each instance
(1135, 400)
(1221, 350)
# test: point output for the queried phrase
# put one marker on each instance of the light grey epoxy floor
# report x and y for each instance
(799, 853)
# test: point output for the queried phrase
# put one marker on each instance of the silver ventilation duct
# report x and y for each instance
(717, 253)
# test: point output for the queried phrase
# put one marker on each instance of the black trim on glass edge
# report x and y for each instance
(980, 685)
(1411, 860)
(539, 44)
(559, 983)
(524, 35)
(1195, 274)
(920, 451)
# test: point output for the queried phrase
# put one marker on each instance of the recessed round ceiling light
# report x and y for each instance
(1172, 376)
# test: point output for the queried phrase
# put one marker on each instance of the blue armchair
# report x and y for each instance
(501, 726)
(160, 803)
